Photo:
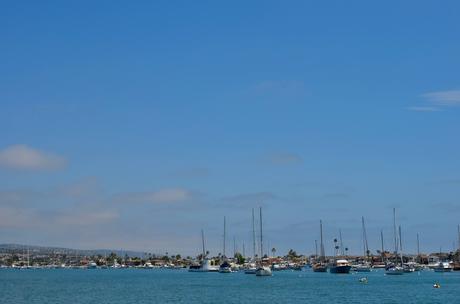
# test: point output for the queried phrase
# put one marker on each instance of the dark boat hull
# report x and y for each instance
(340, 269)
(319, 268)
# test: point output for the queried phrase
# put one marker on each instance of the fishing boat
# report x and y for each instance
(443, 267)
(340, 266)
(262, 270)
(320, 265)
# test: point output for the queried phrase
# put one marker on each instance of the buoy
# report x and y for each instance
(363, 280)
(436, 285)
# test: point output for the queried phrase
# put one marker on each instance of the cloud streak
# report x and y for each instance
(163, 196)
(444, 98)
(424, 109)
(23, 157)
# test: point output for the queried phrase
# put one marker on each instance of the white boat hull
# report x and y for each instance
(264, 272)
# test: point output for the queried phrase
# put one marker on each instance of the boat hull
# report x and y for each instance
(263, 272)
(340, 269)
(394, 271)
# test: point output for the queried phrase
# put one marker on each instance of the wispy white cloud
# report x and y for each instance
(86, 218)
(23, 157)
(443, 98)
(168, 195)
(424, 109)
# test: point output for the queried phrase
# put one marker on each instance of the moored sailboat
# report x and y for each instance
(320, 265)
(394, 268)
(252, 267)
(262, 270)
(205, 263)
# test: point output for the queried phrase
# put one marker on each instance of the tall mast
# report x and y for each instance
(225, 235)
(316, 249)
(261, 239)
(321, 239)
(202, 240)
(366, 246)
(394, 230)
(400, 246)
(458, 232)
(418, 246)
(383, 248)
(253, 234)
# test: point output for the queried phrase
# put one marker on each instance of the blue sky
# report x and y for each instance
(134, 125)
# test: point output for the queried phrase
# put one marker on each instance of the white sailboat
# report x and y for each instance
(365, 265)
(251, 268)
(205, 263)
(395, 269)
(262, 271)
(225, 267)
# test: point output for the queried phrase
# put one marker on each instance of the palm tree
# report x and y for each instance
(273, 251)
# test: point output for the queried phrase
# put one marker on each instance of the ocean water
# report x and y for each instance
(136, 286)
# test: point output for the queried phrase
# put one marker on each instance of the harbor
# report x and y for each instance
(180, 286)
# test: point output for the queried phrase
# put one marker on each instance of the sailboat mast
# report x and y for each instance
(225, 236)
(261, 238)
(366, 245)
(394, 230)
(202, 240)
(316, 248)
(321, 239)
(383, 248)
(400, 246)
(418, 246)
(458, 233)
(253, 235)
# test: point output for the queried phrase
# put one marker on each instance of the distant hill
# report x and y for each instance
(70, 251)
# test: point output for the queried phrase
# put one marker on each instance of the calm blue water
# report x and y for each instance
(179, 286)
